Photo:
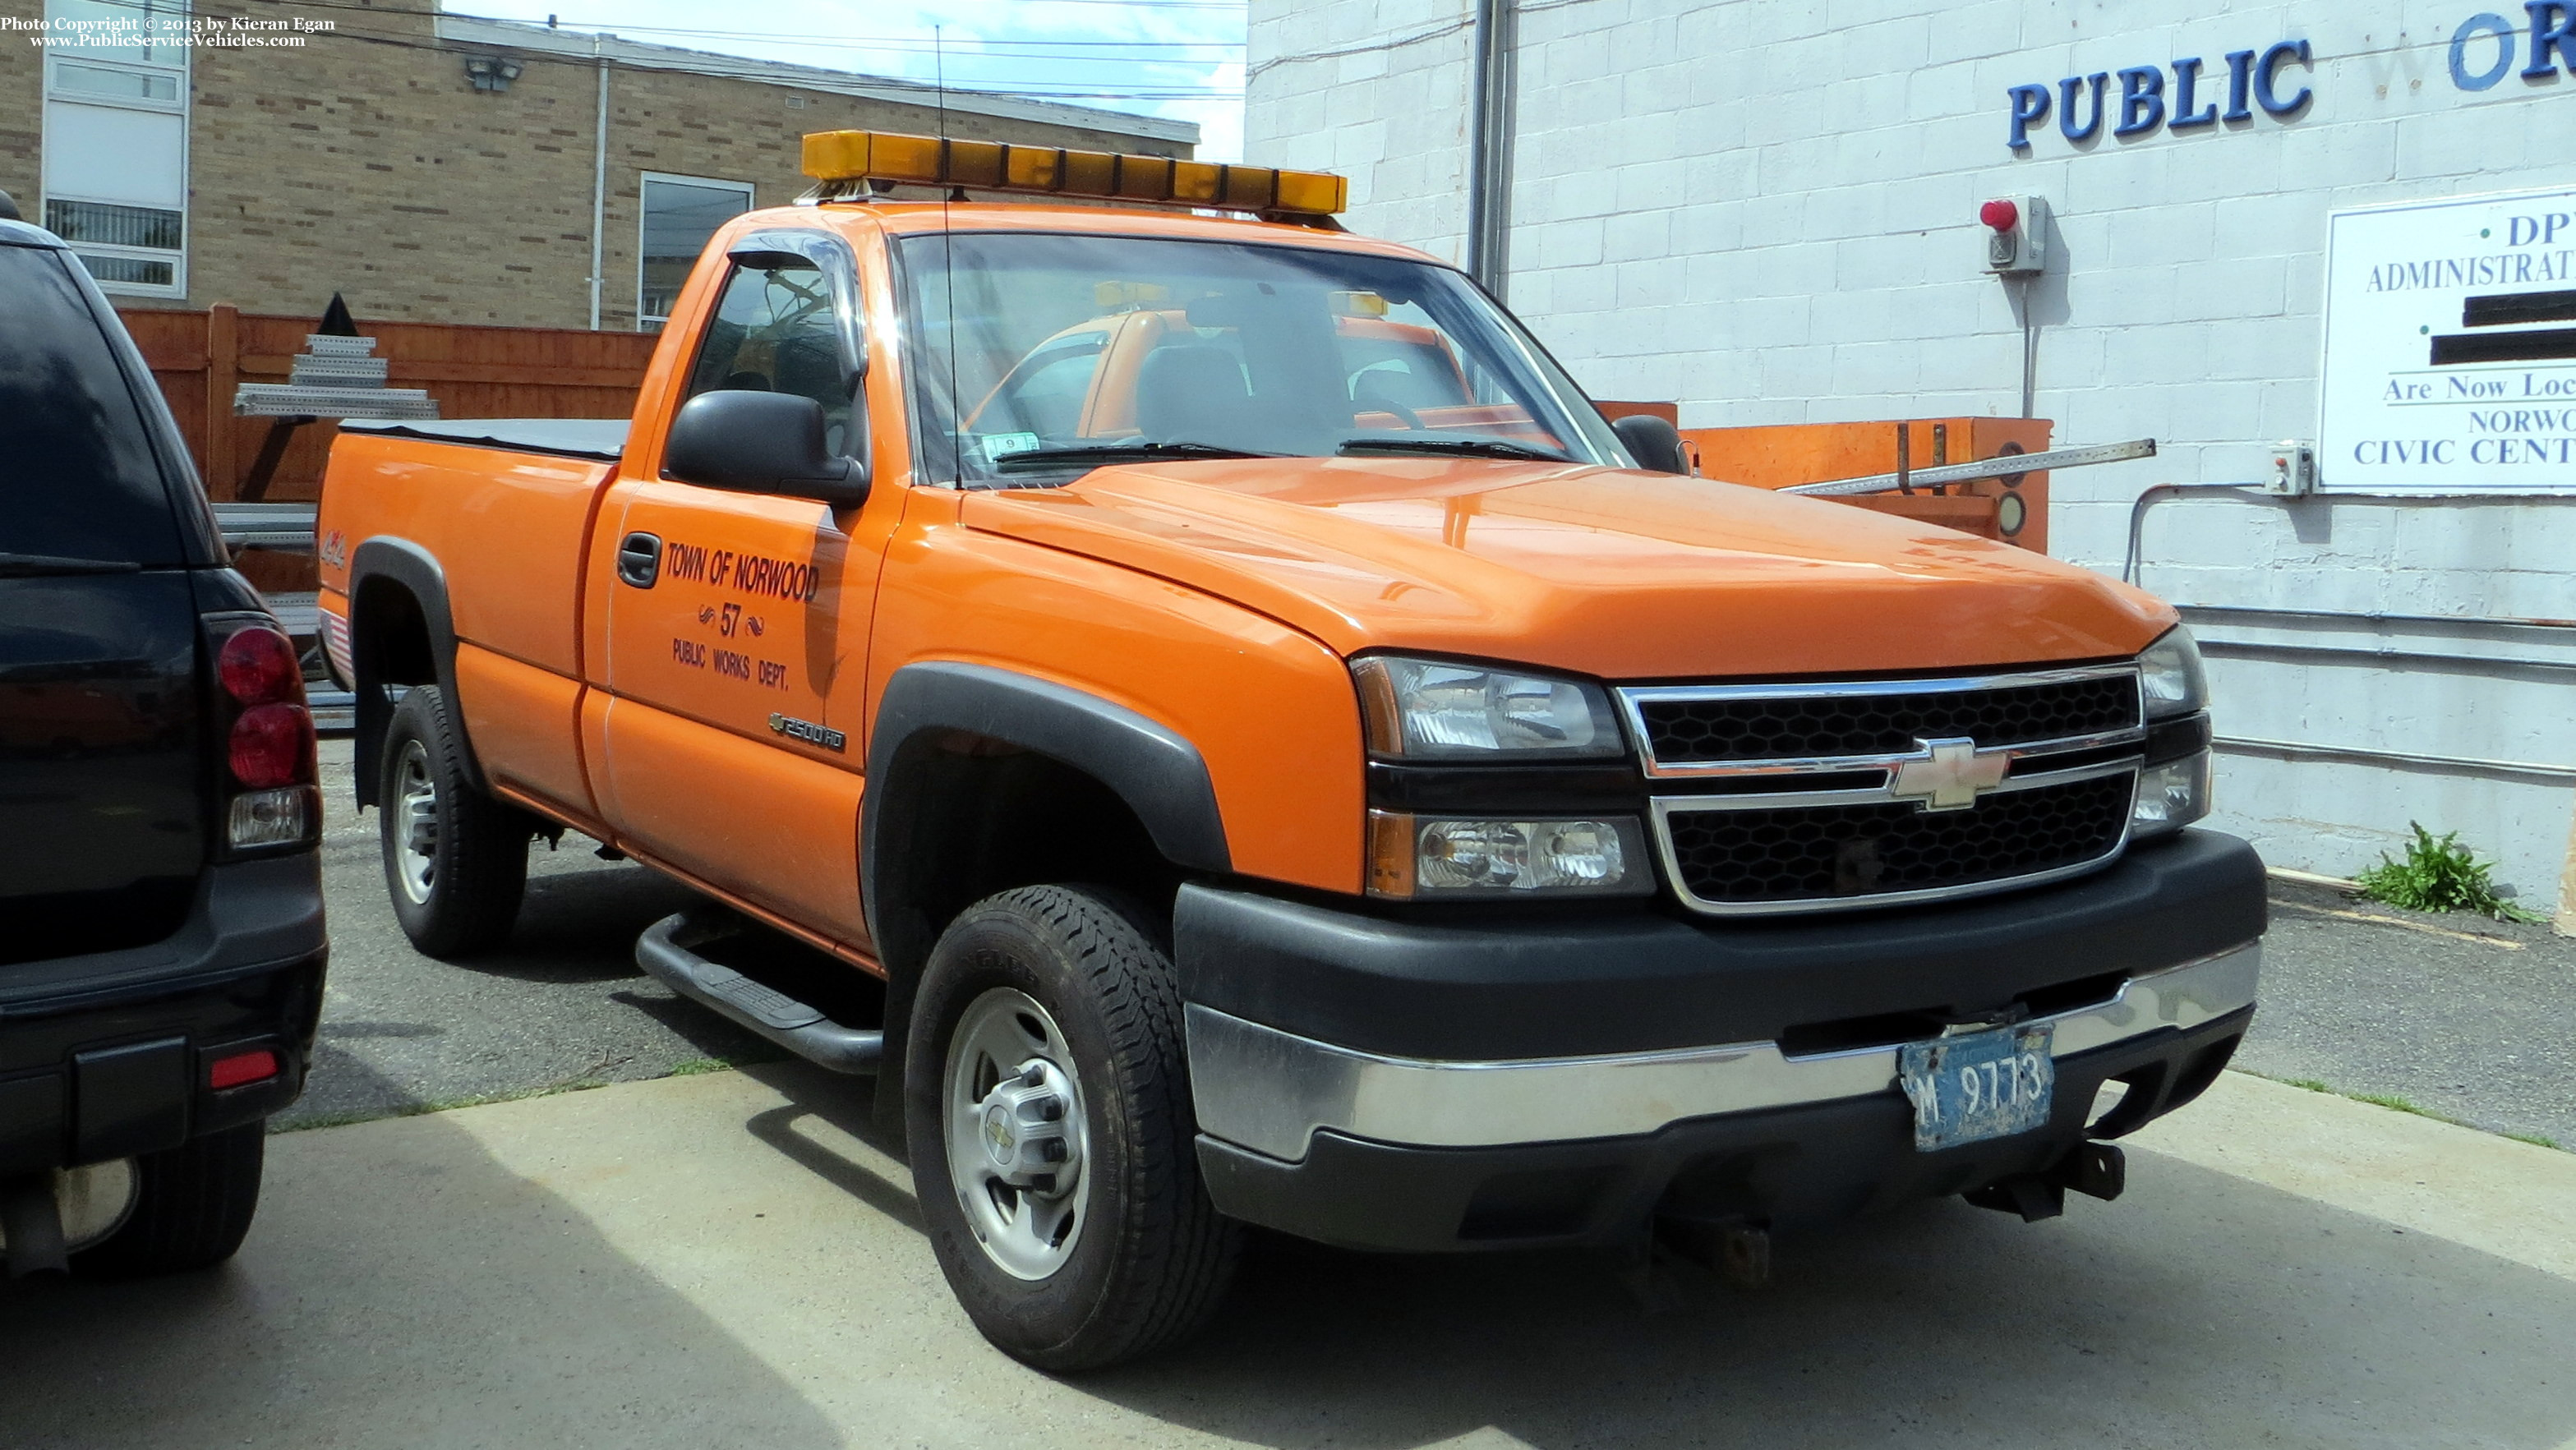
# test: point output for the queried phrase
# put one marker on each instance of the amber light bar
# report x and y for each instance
(841, 157)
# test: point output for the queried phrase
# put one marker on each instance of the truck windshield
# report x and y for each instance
(1073, 351)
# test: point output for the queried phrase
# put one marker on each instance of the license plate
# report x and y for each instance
(1978, 1085)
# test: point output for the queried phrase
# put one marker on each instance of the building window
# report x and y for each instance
(680, 213)
(116, 140)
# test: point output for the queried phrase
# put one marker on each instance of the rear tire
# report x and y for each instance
(192, 1206)
(456, 860)
(1127, 1253)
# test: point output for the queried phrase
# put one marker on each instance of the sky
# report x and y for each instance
(1177, 58)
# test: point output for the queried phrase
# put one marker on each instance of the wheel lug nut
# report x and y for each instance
(1051, 1110)
(1032, 1075)
(1052, 1150)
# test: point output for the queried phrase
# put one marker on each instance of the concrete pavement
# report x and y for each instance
(729, 1259)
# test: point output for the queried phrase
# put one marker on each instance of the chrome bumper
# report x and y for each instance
(1269, 1091)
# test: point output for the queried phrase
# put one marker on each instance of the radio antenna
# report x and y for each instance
(948, 254)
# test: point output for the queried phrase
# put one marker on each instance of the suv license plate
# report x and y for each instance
(1978, 1085)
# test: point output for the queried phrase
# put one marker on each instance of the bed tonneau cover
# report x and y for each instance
(603, 439)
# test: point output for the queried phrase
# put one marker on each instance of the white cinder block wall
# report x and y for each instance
(1766, 211)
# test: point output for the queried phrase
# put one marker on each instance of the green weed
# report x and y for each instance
(2395, 1103)
(2438, 874)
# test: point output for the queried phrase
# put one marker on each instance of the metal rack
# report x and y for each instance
(289, 527)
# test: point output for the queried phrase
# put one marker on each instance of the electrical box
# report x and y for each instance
(2294, 470)
(2016, 235)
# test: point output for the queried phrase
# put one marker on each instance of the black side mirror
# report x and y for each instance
(756, 442)
(1654, 443)
(9, 208)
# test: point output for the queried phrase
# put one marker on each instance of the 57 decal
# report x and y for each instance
(728, 617)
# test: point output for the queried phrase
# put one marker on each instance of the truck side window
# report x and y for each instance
(773, 332)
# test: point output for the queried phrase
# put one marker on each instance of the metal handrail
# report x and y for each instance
(267, 525)
(2006, 466)
(2468, 763)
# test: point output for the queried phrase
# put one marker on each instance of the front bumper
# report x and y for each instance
(2147, 973)
(1775, 1167)
(1272, 1092)
(106, 1056)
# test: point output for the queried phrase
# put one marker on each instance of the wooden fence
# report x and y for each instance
(473, 372)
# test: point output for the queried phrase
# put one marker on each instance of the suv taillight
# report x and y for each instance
(266, 770)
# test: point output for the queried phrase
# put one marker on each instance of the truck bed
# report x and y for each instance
(600, 438)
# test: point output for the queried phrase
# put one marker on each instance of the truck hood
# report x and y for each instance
(1607, 572)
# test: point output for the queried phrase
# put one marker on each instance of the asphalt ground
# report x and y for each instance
(2458, 1016)
(562, 1006)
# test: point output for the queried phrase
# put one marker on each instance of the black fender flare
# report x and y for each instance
(417, 570)
(1160, 776)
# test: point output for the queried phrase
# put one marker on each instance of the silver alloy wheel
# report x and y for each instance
(1017, 1134)
(416, 821)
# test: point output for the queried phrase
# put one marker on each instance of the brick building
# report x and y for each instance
(431, 167)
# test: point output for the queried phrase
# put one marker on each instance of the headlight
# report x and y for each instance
(2170, 676)
(1433, 710)
(1417, 856)
(2170, 796)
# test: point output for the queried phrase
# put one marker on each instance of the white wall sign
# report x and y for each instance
(2450, 347)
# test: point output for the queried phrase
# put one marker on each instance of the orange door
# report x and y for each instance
(738, 659)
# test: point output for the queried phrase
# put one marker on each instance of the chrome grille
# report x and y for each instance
(1761, 857)
(1689, 731)
(1827, 796)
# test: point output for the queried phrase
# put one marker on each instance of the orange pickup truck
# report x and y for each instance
(1262, 750)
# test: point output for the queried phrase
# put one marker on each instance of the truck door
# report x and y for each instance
(738, 623)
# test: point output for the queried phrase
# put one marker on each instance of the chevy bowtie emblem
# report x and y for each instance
(1949, 775)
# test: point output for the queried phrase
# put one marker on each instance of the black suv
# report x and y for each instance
(161, 942)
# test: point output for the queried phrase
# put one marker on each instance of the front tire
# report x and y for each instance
(456, 860)
(192, 1207)
(1047, 1109)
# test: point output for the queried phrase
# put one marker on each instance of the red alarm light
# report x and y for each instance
(2000, 214)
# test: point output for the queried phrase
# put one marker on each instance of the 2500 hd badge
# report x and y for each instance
(809, 732)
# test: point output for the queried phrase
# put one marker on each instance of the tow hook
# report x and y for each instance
(1738, 1253)
(2096, 1170)
(1744, 1256)
(1679, 1251)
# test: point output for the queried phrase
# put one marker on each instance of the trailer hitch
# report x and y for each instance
(2096, 1170)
